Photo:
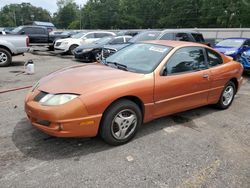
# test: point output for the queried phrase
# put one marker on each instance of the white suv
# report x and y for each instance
(69, 44)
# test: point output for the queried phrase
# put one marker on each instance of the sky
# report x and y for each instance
(50, 5)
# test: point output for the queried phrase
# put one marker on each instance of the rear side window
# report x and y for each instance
(39, 31)
(214, 58)
(182, 37)
(198, 37)
(167, 36)
(188, 59)
(29, 30)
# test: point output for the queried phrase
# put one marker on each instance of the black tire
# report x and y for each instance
(221, 103)
(51, 48)
(108, 123)
(5, 58)
(98, 56)
(71, 49)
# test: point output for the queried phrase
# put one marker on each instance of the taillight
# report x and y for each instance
(27, 41)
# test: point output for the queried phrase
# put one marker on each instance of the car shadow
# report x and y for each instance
(33, 143)
(17, 63)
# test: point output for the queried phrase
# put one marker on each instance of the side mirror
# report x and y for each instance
(22, 33)
(164, 71)
(84, 38)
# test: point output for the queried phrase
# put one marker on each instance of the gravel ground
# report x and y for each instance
(198, 148)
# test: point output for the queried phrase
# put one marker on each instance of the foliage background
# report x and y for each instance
(137, 14)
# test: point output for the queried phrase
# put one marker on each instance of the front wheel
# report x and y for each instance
(98, 57)
(121, 122)
(227, 96)
(72, 48)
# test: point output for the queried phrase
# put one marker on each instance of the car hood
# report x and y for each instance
(72, 40)
(224, 49)
(86, 78)
(117, 46)
(88, 46)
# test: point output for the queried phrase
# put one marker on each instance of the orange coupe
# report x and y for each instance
(137, 84)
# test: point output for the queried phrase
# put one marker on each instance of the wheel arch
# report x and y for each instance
(235, 81)
(132, 98)
(6, 48)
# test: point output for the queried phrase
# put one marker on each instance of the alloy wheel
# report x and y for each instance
(228, 95)
(124, 124)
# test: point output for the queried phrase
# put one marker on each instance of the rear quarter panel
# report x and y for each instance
(221, 75)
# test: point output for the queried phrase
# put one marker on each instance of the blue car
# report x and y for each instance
(245, 60)
(233, 47)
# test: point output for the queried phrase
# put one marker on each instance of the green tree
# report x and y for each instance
(67, 13)
(24, 13)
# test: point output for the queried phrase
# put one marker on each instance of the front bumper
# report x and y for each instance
(68, 120)
(84, 56)
(62, 48)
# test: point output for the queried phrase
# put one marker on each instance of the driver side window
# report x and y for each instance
(184, 60)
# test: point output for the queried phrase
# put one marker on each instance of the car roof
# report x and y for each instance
(180, 31)
(174, 44)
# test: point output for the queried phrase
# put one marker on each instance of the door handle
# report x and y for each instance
(205, 76)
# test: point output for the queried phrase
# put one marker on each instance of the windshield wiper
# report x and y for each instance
(118, 65)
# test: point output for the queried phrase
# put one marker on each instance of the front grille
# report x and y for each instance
(58, 43)
(40, 95)
(106, 52)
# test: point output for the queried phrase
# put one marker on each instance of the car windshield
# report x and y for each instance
(149, 35)
(17, 29)
(231, 43)
(139, 57)
(103, 40)
(78, 35)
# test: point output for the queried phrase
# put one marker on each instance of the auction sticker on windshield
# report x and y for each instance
(157, 49)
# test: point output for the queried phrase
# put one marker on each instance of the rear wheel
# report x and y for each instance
(227, 96)
(5, 58)
(121, 122)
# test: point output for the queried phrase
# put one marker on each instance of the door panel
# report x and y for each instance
(186, 82)
(181, 92)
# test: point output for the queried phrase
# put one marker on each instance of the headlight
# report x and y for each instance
(34, 86)
(53, 100)
(87, 50)
(229, 52)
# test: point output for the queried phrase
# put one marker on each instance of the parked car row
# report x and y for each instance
(91, 46)
(237, 48)
(68, 45)
(111, 47)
